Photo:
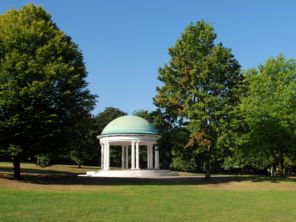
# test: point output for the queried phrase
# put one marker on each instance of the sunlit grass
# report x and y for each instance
(232, 199)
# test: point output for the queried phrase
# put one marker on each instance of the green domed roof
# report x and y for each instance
(129, 125)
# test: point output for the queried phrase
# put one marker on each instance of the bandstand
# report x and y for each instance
(130, 134)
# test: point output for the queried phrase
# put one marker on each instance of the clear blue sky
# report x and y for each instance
(124, 42)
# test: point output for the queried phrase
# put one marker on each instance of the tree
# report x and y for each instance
(84, 149)
(105, 117)
(101, 120)
(172, 137)
(200, 85)
(269, 114)
(43, 94)
(164, 129)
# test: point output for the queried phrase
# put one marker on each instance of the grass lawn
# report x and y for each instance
(56, 194)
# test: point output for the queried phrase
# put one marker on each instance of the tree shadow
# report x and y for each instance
(276, 179)
(85, 167)
(58, 177)
(35, 171)
(52, 177)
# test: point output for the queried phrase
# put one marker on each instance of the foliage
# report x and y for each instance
(100, 121)
(14, 150)
(269, 115)
(172, 136)
(162, 127)
(105, 117)
(84, 149)
(43, 92)
(201, 85)
(43, 160)
(184, 163)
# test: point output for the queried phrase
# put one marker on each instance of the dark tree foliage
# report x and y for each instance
(105, 117)
(100, 121)
(173, 137)
(43, 96)
(84, 149)
(163, 127)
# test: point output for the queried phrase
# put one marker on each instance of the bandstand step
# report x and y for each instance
(130, 173)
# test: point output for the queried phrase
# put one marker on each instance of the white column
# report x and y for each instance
(107, 156)
(137, 156)
(102, 156)
(126, 157)
(133, 155)
(148, 156)
(156, 156)
(151, 156)
(122, 157)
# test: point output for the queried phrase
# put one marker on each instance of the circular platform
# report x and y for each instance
(130, 173)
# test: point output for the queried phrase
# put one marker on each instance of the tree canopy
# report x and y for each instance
(201, 84)
(105, 117)
(43, 94)
(269, 115)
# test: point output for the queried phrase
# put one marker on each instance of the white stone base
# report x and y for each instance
(130, 173)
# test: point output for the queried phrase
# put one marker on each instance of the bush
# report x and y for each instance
(183, 165)
(43, 160)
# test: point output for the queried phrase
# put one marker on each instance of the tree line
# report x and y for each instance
(212, 115)
(235, 119)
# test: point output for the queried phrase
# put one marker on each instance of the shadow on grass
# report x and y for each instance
(36, 171)
(85, 167)
(76, 180)
(51, 177)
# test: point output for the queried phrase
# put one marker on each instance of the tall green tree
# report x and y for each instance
(43, 94)
(269, 116)
(201, 82)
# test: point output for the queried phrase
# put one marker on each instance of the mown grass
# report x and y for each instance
(103, 199)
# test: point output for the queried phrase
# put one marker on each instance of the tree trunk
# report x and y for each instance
(16, 167)
(282, 164)
(273, 170)
(282, 169)
(207, 169)
(207, 164)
